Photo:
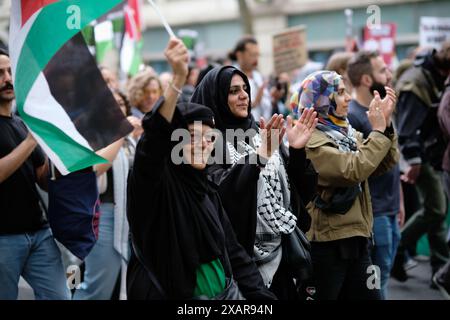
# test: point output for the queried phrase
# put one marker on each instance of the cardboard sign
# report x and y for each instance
(382, 39)
(289, 49)
(434, 31)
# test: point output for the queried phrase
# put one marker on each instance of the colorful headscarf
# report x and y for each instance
(316, 91)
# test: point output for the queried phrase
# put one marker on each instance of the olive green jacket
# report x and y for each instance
(376, 155)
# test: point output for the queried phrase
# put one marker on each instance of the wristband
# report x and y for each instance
(177, 90)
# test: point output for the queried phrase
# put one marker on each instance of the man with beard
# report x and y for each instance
(367, 72)
(421, 143)
(27, 247)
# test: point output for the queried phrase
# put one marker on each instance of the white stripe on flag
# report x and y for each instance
(18, 34)
(127, 53)
(104, 31)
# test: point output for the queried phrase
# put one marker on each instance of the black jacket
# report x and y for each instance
(238, 191)
(419, 90)
(238, 183)
(176, 228)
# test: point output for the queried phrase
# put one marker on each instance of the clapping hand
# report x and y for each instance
(388, 104)
(375, 114)
(271, 135)
(299, 134)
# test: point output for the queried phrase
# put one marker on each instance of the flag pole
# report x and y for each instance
(52, 168)
(163, 19)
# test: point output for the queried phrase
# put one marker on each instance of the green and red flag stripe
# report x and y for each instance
(60, 93)
(130, 54)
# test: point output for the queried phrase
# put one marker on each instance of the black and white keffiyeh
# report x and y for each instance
(273, 215)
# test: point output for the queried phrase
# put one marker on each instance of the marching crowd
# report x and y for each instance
(264, 163)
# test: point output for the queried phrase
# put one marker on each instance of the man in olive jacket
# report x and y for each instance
(420, 138)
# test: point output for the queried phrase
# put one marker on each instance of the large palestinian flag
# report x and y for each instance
(60, 93)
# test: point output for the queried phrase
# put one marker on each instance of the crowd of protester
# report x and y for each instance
(333, 155)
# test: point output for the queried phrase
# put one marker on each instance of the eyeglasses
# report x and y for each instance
(198, 138)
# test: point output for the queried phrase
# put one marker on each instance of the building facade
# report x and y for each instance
(217, 23)
(4, 22)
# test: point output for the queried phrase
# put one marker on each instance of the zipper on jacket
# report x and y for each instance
(372, 239)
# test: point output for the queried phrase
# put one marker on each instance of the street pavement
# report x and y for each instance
(416, 288)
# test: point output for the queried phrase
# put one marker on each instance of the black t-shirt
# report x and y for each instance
(108, 195)
(19, 201)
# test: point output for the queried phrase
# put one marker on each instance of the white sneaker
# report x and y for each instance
(410, 264)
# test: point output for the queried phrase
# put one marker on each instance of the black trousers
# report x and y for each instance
(283, 285)
(343, 270)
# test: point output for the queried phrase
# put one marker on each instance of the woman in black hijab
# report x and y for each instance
(184, 244)
(264, 187)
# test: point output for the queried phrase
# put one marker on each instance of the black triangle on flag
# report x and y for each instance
(77, 85)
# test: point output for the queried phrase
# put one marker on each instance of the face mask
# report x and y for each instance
(379, 87)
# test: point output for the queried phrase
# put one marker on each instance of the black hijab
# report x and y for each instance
(196, 180)
(175, 222)
(212, 92)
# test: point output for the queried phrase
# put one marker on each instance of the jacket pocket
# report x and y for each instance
(319, 223)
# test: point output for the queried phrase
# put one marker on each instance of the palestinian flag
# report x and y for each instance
(108, 32)
(130, 55)
(60, 93)
(104, 36)
(104, 40)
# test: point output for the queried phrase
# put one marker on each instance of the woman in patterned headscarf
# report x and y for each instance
(341, 212)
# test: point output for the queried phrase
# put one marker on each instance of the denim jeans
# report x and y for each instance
(386, 237)
(103, 263)
(36, 257)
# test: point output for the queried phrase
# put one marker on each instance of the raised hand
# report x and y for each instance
(178, 57)
(388, 104)
(299, 134)
(375, 114)
(271, 135)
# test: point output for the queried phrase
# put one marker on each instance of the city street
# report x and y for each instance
(416, 288)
